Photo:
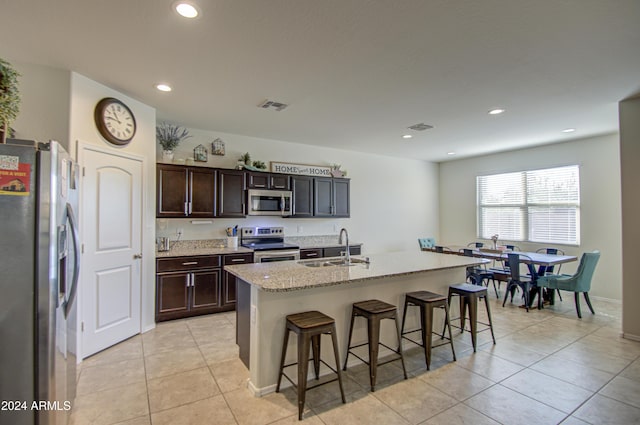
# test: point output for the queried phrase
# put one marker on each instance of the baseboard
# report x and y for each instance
(631, 337)
(611, 300)
(259, 392)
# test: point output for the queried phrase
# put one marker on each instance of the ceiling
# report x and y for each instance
(355, 73)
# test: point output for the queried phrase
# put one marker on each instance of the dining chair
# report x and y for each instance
(476, 244)
(479, 275)
(517, 280)
(513, 247)
(444, 250)
(426, 243)
(544, 270)
(576, 283)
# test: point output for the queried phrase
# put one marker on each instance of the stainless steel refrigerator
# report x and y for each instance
(39, 266)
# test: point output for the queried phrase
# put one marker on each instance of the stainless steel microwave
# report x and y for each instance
(269, 202)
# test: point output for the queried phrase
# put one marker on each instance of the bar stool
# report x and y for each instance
(309, 326)
(427, 301)
(374, 311)
(469, 295)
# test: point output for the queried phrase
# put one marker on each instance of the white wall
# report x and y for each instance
(44, 106)
(85, 94)
(630, 172)
(600, 211)
(393, 201)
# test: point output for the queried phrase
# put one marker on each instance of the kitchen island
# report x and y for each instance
(267, 292)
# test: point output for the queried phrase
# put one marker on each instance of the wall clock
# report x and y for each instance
(115, 121)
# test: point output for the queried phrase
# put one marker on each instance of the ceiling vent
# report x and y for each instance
(421, 127)
(278, 106)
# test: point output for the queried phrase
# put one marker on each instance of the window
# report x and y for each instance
(536, 206)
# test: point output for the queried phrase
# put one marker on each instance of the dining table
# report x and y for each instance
(536, 258)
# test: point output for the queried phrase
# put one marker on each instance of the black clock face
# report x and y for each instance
(115, 121)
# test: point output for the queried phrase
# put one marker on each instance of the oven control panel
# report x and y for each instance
(252, 232)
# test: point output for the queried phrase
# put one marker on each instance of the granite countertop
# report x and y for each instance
(203, 247)
(285, 276)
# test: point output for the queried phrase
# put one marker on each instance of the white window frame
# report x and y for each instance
(525, 206)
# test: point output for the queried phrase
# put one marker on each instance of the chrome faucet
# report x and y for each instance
(347, 257)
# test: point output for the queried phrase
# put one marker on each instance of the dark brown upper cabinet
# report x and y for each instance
(331, 197)
(268, 181)
(231, 190)
(302, 188)
(185, 191)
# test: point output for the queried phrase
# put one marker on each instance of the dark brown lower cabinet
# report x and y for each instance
(187, 286)
(229, 281)
(193, 285)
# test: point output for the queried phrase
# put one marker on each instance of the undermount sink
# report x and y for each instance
(333, 263)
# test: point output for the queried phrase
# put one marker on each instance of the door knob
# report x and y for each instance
(137, 256)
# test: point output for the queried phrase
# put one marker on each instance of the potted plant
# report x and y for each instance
(9, 97)
(169, 136)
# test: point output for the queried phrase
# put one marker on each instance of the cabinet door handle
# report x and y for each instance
(193, 280)
(137, 256)
(188, 280)
(186, 208)
(190, 207)
(190, 263)
(312, 254)
(237, 260)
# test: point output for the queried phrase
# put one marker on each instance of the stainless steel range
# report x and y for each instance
(268, 244)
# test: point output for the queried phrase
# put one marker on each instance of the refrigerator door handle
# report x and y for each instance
(76, 260)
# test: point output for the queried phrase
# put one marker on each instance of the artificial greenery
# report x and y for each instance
(246, 158)
(169, 136)
(9, 94)
(259, 165)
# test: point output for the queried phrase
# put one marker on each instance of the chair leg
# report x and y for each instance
(494, 287)
(349, 340)
(315, 345)
(284, 354)
(303, 367)
(586, 298)
(334, 340)
(577, 299)
(506, 295)
(395, 324)
(486, 303)
(373, 329)
(448, 325)
(559, 294)
(426, 323)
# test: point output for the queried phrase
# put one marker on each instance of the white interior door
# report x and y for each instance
(111, 218)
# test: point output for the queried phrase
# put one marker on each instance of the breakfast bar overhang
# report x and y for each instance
(267, 292)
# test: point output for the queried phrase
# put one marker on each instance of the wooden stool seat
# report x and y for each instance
(427, 301)
(309, 326)
(374, 311)
(469, 295)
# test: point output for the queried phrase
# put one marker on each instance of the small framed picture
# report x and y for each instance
(217, 147)
(200, 154)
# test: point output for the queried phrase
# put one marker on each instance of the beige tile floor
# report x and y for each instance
(548, 367)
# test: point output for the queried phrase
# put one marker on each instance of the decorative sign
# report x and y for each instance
(300, 169)
(200, 154)
(15, 178)
(217, 147)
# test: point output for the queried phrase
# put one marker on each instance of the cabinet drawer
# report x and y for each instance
(335, 252)
(231, 259)
(187, 263)
(311, 253)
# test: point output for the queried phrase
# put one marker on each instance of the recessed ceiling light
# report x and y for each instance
(407, 136)
(163, 87)
(496, 111)
(186, 9)
(568, 130)
(451, 153)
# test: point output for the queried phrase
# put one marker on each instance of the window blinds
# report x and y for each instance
(538, 206)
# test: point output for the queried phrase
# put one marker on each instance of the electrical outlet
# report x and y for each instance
(336, 228)
(254, 312)
(299, 229)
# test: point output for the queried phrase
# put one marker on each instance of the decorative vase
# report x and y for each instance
(167, 156)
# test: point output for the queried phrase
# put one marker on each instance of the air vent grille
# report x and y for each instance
(421, 127)
(271, 104)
